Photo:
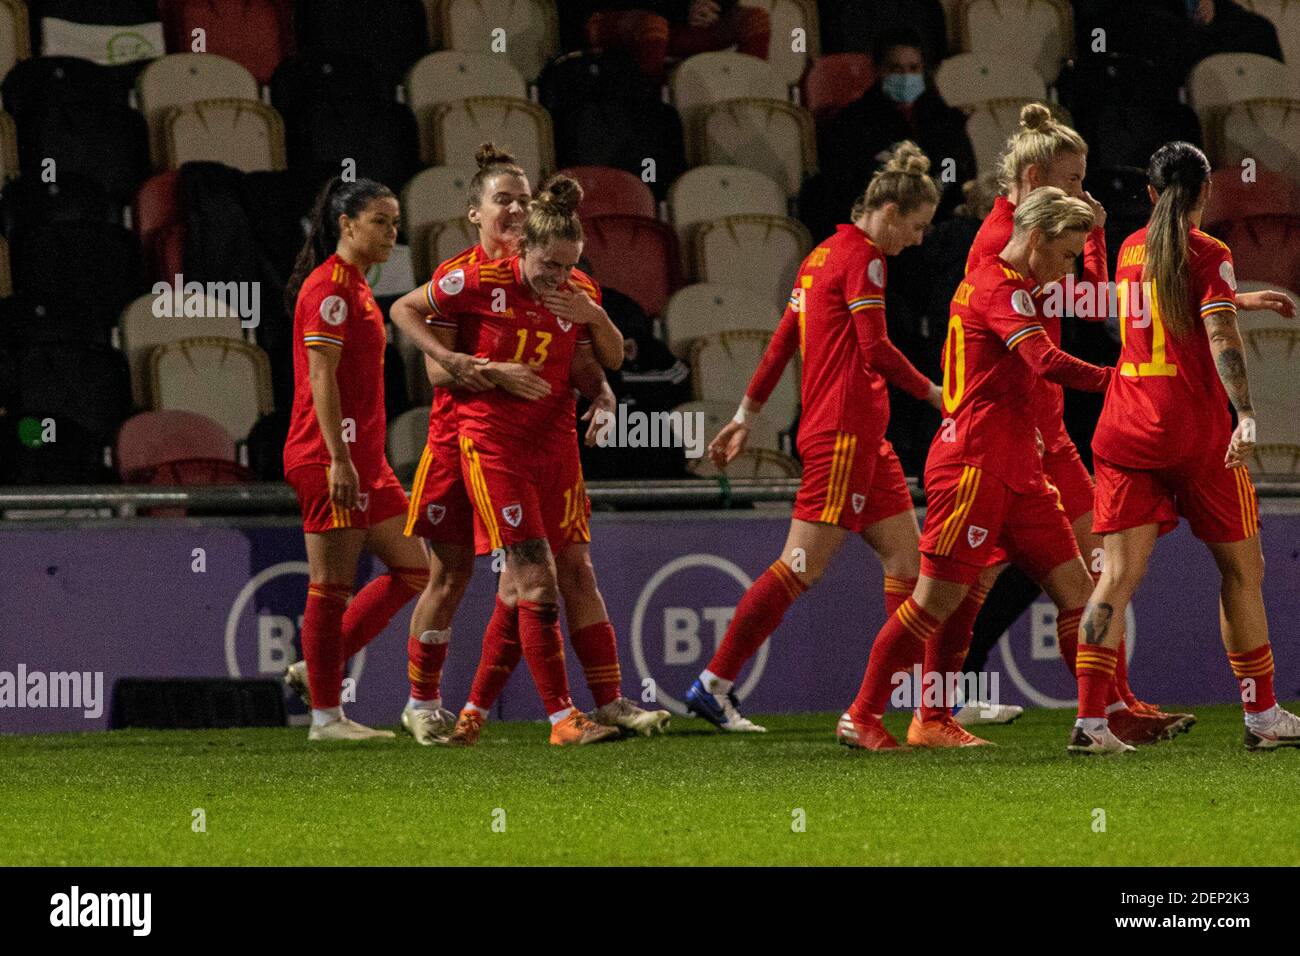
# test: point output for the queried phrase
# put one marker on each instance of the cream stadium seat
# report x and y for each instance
(762, 433)
(991, 123)
(15, 35)
(1273, 367)
(770, 136)
(787, 16)
(1220, 80)
(432, 197)
(461, 126)
(707, 308)
(706, 193)
(448, 239)
(968, 79)
(708, 78)
(453, 75)
(1249, 321)
(407, 435)
(227, 380)
(1285, 15)
(750, 463)
(722, 364)
(1276, 460)
(141, 331)
(1266, 130)
(244, 134)
(1036, 32)
(758, 252)
(183, 78)
(529, 29)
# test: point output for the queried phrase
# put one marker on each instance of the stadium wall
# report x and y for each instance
(129, 601)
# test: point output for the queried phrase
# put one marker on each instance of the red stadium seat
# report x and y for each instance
(835, 81)
(150, 442)
(255, 33)
(608, 190)
(1230, 198)
(1264, 248)
(637, 256)
(160, 223)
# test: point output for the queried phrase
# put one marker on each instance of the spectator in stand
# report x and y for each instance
(903, 104)
(653, 30)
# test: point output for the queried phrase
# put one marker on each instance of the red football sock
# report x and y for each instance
(543, 645)
(757, 616)
(1124, 692)
(946, 651)
(897, 590)
(1254, 672)
(500, 656)
(597, 651)
(376, 603)
(1067, 636)
(322, 642)
(1095, 670)
(424, 667)
(898, 647)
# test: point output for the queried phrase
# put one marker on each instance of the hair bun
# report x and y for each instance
(561, 193)
(488, 154)
(1035, 116)
(908, 158)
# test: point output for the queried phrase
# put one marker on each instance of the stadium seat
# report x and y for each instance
(750, 463)
(225, 379)
(379, 135)
(141, 330)
(257, 34)
(706, 193)
(446, 239)
(313, 75)
(759, 252)
(1230, 197)
(459, 127)
(968, 79)
(991, 123)
(786, 16)
(407, 435)
(160, 224)
(15, 35)
(1267, 131)
(1285, 16)
(1273, 363)
(639, 257)
(390, 34)
(835, 81)
(265, 445)
(34, 86)
(108, 143)
(772, 137)
(708, 308)
(109, 32)
(529, 28)
(453, 75)
(1264, 248)
(708, 78)
(172, 447)
(1250, 320)
(182, 78)
(28, 202)
(434, 196)
(1222, 79)
(609, 190)
(722, 364)
(1276, 460)
(762, 433)
(1036, 32)
(243, 134)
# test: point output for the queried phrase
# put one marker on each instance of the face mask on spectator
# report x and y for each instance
(903, 87)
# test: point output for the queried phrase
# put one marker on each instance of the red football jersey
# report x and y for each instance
(492, 305)
(1166, 400)
(987, 381)
(335, 310)
(993, 236)
(442, 416)
(836, 316)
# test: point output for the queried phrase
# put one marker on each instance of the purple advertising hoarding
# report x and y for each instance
(185, 600)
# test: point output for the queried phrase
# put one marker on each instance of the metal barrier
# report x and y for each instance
(275, 498)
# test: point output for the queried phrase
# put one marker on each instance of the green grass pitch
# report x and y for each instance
(693, 797)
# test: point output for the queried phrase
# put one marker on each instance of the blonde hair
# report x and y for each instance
(553, 213)
(903, 180)
(1052, 211)
(1039, 140)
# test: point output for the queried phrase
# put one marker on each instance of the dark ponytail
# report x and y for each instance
(1177, 172)
(338, 198)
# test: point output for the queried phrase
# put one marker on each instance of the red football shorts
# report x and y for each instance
(516, 501)
(850, 481)
(1065, 470)
(972, 519)
(380, 499)
(440, 508)
(1219, 503)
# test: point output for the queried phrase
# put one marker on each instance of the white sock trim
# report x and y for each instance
(559, 715)
(320, 716)
(715, 684)
(475, 708)
(414, 704)
(436, 637)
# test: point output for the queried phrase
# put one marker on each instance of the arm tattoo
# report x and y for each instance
(1229, 359)
(1096, 622)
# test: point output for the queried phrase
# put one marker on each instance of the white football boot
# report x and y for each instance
(1096, 742)
(346, 729)
(427, 725)
(1273, 729)
(624, 714)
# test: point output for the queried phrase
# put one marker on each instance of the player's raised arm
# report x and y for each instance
(581, 305)
(412, 314)
(588, 378)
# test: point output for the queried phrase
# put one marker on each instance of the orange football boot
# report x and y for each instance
(869, 734)
(578, 728)
(942, 732)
